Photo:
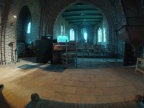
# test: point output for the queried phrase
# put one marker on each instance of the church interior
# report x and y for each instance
(71, 51)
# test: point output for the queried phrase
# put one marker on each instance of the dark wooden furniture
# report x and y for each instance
(44, 51)
(129, 55)
(58, 50)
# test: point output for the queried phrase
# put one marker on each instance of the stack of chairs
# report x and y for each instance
(97, 50)
(70, 55)
(80, 49)
(86, 50)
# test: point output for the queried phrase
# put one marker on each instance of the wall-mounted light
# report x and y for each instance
(12, 23)
(15, 16)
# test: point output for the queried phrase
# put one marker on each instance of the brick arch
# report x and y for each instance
(24, 12)
(104, 6)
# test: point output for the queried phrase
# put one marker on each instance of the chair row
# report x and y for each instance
(92, 50)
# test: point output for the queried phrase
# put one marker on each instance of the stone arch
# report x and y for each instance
(104, 6)
(24, 16)
(22, 35)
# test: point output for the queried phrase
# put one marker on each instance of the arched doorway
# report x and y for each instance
(103, 6)
(86, 19)
(23, 32)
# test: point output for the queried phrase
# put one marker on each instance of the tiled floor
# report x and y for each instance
(94, 81)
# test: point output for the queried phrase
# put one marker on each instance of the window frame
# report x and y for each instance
(72, 34)
(28, 27)
(100, 35)
(84, 31)
(104, 35)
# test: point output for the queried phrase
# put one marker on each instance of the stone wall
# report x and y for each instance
(12, 26)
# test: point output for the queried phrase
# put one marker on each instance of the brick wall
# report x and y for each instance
(12, 25)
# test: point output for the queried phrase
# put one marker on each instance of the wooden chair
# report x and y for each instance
(97, 50)
(86, 50)
(70, 56)
(80, 49)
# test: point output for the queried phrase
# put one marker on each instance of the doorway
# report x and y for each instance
(24, 33)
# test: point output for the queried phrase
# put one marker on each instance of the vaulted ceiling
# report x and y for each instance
(82, 14)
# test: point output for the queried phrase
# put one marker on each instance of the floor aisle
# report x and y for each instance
(94, 81)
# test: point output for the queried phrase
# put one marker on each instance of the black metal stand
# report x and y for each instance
(12, 55)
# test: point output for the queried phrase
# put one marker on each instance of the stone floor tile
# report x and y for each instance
(88, 99)
(120, 90)
(68, 83)
(109, 91)
(94, 79)
(103, 99)
(89, 84)
(58, 96)
(128, 96)
(58, 81)
(72, 98)
(69, 89)
(46, 93)
(58, 88)
(130, 88)
(120, 83)
(116, 98)
(100, 84)
(110, 84)
(82, 91)
(78, 83)
(75, 78)
(96, 91)
(84, 79)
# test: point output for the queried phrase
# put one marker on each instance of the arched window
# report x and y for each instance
(85, 36)
(99, 35)
(84, 32)
(72, 35)
(62, 30)
(28, 27)
(104, 34)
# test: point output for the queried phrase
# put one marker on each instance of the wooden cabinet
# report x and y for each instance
(43, 51)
